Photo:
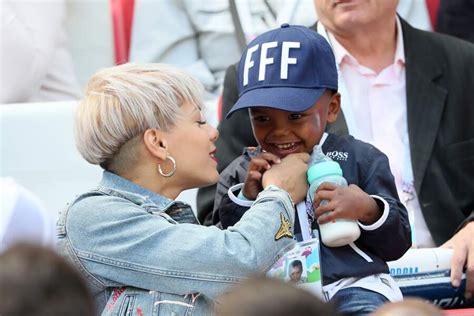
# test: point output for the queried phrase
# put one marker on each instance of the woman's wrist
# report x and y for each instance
(268, 181)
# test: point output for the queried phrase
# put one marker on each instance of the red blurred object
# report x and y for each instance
(122, 18)
(459, 312)
(219, 108)
(433, 6)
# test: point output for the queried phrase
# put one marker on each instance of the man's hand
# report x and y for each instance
(289, 175)
(463, 256)
(345, 202)
(255, 171)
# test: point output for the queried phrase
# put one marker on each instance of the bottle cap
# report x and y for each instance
(322, 169)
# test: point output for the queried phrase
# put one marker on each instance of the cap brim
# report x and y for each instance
(281, 98)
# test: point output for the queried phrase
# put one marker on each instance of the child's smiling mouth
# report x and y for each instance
(284, 149)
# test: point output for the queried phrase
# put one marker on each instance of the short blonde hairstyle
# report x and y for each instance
(124, 101)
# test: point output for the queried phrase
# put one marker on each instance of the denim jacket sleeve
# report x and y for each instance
(119, 243)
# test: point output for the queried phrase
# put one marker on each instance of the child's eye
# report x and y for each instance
(260, 118)
(295, 116)
(201, 122)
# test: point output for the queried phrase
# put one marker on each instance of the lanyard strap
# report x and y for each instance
(304, 221)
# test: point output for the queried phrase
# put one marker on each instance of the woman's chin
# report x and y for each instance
(213, 179)
(204, 182)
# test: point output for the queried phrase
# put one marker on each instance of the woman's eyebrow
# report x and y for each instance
(195, 108)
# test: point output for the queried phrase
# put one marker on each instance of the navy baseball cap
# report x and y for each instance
(288, 68)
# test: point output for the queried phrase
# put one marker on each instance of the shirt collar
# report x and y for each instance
(400, 48)
(116, 182)
(341, 54)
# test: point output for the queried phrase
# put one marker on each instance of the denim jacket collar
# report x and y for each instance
(116, 182)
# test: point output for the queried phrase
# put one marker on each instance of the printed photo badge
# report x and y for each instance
(300, 264)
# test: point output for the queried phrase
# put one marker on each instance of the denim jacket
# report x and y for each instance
(124, 239)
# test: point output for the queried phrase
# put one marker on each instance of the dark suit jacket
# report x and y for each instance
(456, 17)
(440, 113)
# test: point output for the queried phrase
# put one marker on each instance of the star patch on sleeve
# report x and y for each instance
(285, 228)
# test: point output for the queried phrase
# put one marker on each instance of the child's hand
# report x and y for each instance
(289, 175)
(345, 202)
(255, 171)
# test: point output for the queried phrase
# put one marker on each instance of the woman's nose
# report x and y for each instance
(214, 134)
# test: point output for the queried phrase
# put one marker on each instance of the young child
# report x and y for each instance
(288, 81)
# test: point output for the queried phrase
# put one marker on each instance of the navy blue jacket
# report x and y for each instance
(363, 165)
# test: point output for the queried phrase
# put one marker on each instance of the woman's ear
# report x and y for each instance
(334, 107)
(155, 143)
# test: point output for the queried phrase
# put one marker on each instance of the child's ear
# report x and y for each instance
(334, 107)
(156, 144)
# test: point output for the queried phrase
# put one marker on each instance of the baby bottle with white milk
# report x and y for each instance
(323, 169)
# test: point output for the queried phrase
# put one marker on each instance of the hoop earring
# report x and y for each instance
(169, 174)
(173, 170)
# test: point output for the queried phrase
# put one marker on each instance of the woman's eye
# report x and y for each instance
(201, 122)
(295, 116)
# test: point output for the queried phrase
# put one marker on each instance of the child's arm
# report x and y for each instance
(257, 167)
(231, 212)
(235, 203)
(237, 173)
(229, 177)
(237, 198)
(385, 229)
(346, 202)
(390, 236)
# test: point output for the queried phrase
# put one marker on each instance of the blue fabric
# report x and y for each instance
(358, 301)
(288, 68)
(363, 165)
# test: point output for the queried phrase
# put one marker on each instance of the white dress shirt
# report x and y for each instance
(374, 105)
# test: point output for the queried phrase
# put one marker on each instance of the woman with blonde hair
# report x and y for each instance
(142, 252)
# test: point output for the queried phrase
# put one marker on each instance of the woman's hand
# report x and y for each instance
(345, 202)
(255, 171)
(289, 175)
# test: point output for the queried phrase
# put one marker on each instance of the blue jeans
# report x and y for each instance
(357, 301)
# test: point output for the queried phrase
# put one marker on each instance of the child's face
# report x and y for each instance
(283, 133)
